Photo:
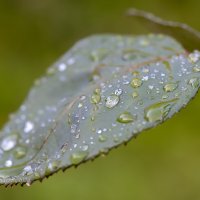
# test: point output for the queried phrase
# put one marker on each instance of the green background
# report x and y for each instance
(163, 163)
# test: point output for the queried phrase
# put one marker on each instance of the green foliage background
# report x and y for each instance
(162, 163)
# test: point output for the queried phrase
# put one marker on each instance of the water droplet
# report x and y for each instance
(29, 126)
(28, 170)
(20, 152)
(52, 166)
(158, 111)
(194, 57)
(112, 101)
(136, 82)
(8, 163)
(9, 142)
(96, 97)
(170, 87)
(196, 69)
(135, 95)
(102, 138)
(62, 67)
(125, 117)
(194, 82)
(144, 42)
(98, 55)
(118, 92)
(78, 157)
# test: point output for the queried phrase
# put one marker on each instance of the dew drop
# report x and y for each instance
(96, 97)
(112, 101)
(135, 95)
(52, 166)
(78, 157)
(118, 92)
(170, 87)
(125, 117)
(8, 163)
(194, 82)
(158, 111)
(62, 67)
(9, 142)
(196, 69)
(194, 57)
(29, 126)
(136, 82)
(102, 138)
(20, 152)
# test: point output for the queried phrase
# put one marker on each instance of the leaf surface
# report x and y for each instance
(104, 91)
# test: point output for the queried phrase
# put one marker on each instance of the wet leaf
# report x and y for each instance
(100, 94)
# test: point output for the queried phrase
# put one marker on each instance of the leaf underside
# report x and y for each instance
(100, 94)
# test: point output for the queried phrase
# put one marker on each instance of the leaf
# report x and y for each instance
(100, 94)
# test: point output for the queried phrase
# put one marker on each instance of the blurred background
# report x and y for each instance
(162, 163)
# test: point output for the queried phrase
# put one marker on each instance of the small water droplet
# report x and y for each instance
(8, 163)
(20, 152)
(118, 92)
(125, 117)
(96, 97)
(170, 87)
(102, 138)
(52, 166)
(78, 157)
(194, 82)
(112, 101)
(194, 57)
(9, 142)
(62, 67)
(135, 95)
(158, 111)
(136, 82)
(28, 170)
(29, 126)
(196, 69)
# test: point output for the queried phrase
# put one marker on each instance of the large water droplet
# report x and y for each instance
(136, 82)
(158, 111)
(170, 87)
(112, 101)
(78, 157)
(9, 142)
(125, 117)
